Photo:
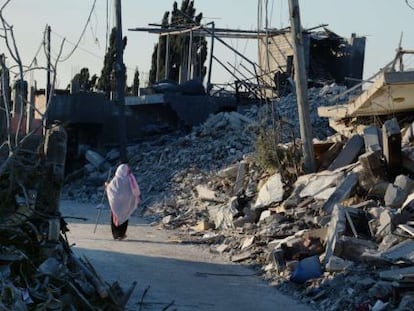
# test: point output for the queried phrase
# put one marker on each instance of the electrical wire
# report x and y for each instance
(86, 50)
(409, 5)
(81, 36)
(77, 46)
(93, 29)
(34, 60)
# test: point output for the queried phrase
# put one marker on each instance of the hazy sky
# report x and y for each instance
(381, 21)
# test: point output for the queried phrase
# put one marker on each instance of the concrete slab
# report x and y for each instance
(271, 192)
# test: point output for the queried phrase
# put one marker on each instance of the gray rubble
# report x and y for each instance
(339, 239)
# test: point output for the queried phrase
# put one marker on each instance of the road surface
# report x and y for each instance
(177, 276)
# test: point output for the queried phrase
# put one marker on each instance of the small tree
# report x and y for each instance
(82, 79)
(135, 83)
(162, 46)
(107, 82)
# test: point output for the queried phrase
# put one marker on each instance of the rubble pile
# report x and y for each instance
(40, 274)
(288, 109)
(339, 239)
(159, 160)
(38, 270)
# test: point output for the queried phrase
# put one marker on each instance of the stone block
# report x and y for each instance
(391, 137)
(404, 182)
(319, 182)
(372, 139)
(403, 251)
(341, 193)
(394, 196)
(349, 153)
(271, 192)
(205, 194)
(372, 169)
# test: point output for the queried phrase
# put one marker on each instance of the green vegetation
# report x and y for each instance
(179, 45)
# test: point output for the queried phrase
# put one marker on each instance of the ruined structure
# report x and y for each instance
(329, 58)
(390, 93)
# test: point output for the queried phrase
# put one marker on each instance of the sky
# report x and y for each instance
(383, 22)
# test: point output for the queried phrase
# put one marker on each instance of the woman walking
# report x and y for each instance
(123, 196)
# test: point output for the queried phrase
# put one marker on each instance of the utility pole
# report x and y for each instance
(209, 87)
(157, 76)
(301, 82)
(190, 56)
(120, 83)
(49, 66)
(5, 127)
(167, 58)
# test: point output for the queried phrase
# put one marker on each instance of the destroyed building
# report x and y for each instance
(389, 92)
(317, 237)
(329, 58)
(338, 239)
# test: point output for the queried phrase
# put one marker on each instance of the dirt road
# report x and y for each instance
(179, 276)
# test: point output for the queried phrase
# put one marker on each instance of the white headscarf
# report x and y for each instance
(123, 194)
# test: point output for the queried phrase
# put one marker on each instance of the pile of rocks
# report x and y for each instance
(288, 109)
(340, 238)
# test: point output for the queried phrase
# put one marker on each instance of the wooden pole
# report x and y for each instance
(157, 77)
(209, 86)
(301, 87)
(190, 56)
(167, 58)
(49, 66)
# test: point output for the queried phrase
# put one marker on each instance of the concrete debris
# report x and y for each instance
(349, 153)
(223, 215)
(398, 192)
(271, 192)
(333, 231)
(316, 183)
(96, 160)
(38, 269)
(341, 193)
(206, 194)
(391, 137)
(372, 139)
(403, 251)
(337, 264)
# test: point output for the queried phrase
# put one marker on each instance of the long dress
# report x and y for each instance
(118, 232)
(123, 196)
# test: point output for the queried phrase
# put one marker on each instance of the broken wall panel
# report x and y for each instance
(349, 153)
(391, 137)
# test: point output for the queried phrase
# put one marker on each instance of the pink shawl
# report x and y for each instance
(123, 194)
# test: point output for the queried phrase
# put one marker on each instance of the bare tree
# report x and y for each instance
(14, 156)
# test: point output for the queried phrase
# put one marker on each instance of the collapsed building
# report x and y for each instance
(389, 92)
(339, 239)
(88, 122)
(91, 119)
(329, 58)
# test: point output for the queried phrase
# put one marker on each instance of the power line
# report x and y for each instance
(82, 34)
(34, 60)
(409, 5)
(87, 51)
(77, 46)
